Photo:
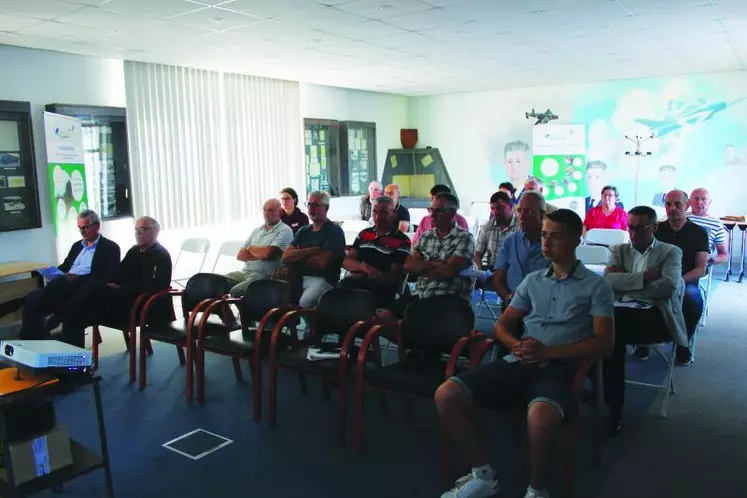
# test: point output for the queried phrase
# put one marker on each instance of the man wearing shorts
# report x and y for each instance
(568, 313)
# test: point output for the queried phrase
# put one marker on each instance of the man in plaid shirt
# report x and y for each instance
(502, 223)
(441, 253)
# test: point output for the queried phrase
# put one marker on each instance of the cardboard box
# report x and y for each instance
(40, 456)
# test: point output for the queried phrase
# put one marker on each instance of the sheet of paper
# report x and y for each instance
(427, 160)
(393, 160)
(50, 272)
(16, 182)
(322, 136)
(307, 137)
(314, 169)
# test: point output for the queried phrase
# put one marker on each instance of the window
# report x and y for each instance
(340, 156)
(106, 157)
(19, 195)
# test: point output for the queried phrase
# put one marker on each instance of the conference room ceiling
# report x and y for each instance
(410, 47)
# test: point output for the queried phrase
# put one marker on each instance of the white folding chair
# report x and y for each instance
(195, 249)
(416, 216)
(668, 385)
(595, 258)
(228, 249)
(606, 237)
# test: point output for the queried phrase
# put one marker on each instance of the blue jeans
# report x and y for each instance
(692, 307)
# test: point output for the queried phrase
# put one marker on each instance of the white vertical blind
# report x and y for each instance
(208, 147)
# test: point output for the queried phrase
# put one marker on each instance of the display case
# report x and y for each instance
(106, 157)
(416, 171)
(358, 157)
(19, 192)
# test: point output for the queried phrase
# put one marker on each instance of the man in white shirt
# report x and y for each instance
(700, 202)
(262, 250)
(646, 275)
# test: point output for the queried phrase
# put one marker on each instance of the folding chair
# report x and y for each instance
(200, 247)
(705, 288)
(668, 384)
(228, 249)
(606, 237)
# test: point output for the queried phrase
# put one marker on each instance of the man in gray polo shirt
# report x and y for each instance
(262, 250)
(568, 313)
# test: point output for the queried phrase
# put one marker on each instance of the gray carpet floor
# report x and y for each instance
(700, 449)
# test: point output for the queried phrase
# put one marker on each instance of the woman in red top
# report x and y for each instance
(608, 215)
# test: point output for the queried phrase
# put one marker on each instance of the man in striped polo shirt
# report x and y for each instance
(700, 201)
(375, 263)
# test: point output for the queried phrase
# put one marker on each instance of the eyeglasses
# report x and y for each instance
(84, 228)
(142, 229)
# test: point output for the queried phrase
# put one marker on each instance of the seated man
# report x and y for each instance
(401, 214)
(93, 258)
(700, 201)
(262, 250)
(568, 315)
(440, 255)
(534, 184)
(316, 252)
(427, 222)
(366, 205)
(521, 252)
(376, 260)
(649, 272)
(693, 241)
(494, 232)
(145, 268)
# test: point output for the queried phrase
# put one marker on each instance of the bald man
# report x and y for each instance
(262, 250)
(693, 241)
(401, 214)
(700, 202)
(145, 268)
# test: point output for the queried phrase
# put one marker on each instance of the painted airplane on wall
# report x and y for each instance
(681, 113)
(542, 117)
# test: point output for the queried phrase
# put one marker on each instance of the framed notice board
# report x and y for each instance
(358, 157)
(322, 157)
(19, 192)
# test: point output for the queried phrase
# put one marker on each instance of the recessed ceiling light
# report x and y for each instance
(384, 7)
(217, 20)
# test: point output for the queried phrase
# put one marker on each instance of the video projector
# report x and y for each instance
(43, 357)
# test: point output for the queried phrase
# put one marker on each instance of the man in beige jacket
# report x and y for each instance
(646, 275)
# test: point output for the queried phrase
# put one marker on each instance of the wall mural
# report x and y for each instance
(700, 129)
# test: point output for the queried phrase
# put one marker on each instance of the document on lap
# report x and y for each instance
(626, 302)
(50, 272)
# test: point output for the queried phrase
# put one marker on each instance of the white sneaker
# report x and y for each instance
(471, 486)
(534, 494)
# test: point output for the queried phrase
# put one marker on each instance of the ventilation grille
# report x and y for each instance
(72, 360)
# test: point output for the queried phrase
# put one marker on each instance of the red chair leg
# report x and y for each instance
(200, 364)
(272, 392)
(358, 436)
(142, 364)
(256, 370)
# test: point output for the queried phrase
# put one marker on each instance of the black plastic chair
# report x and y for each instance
(262, 305)
(438, 334)
(345, 313)
(201, 289)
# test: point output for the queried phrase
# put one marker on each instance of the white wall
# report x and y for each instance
(43, 77)
(389, 112)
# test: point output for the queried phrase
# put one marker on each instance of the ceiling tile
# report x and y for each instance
(215, 19)
(159, 9)
(15, 23)
(268, 8)
(95, 17)
(367, 30)
(94, 3)
(320, 17)
(52, 29)
(730, 8)
(40, 9)
(382, 9)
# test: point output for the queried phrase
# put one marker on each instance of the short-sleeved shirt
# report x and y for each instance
(279, 235)
(491, 238)
(715, 229)
(401, 214)
(518, 257)
(296, 220)
(382, 251)
(561, 311)
(456, 243)
(691, 238)
(617, 219)
(427, 224)
(330, 238)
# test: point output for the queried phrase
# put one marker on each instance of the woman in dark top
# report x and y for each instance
(292, 216)
(509, 188)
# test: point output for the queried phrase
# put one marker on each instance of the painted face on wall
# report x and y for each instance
(517, 163)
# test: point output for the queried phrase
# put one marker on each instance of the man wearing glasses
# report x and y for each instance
(145, 268)
(427, 222)
(94, 258)
(646, 275)
(316, 252)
